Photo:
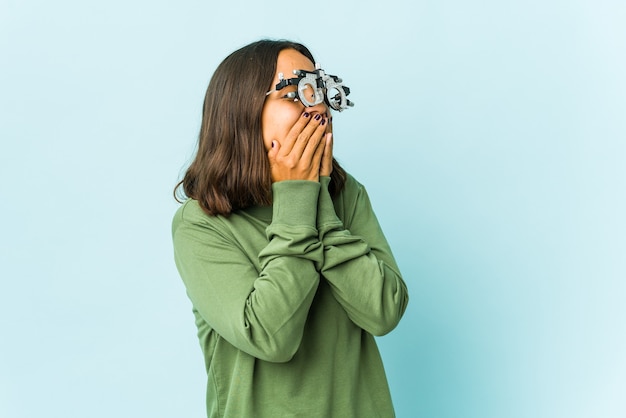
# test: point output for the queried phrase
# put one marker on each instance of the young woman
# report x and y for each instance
(287, 268)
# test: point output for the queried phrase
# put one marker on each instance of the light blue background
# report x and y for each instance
(490, 135)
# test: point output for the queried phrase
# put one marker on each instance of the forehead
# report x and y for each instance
(289, 60)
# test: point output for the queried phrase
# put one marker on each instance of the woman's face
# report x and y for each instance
(280, 113)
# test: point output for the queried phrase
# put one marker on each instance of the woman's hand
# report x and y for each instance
(299, 157)
(326, 165)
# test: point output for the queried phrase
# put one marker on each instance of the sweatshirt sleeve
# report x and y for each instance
(359, 265)
(262, 313)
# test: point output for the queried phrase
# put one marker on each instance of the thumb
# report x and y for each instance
(326, 166)
(273, 150)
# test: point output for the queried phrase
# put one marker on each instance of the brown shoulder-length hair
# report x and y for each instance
(231, 169)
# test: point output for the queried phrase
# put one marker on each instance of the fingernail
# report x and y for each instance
(318, 116)
(306, 114)
(323, 121)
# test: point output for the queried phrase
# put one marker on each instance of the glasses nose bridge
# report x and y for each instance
(316, 95)
(320, 108)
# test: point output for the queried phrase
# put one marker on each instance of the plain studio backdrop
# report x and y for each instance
(491, 138)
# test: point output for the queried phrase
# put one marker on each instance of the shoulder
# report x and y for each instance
(189, 211)
(194, 230)
(352, 189)
(190, 214)
(350, 200)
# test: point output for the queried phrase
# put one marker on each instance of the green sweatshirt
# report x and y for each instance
(287, 299)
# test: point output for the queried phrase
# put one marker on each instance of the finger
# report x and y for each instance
(318, 156)
(313, 142)
(293, 134)
(326, 166)
(271, 154)
(305, 136)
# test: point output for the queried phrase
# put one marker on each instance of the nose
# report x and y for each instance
(319, 108)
